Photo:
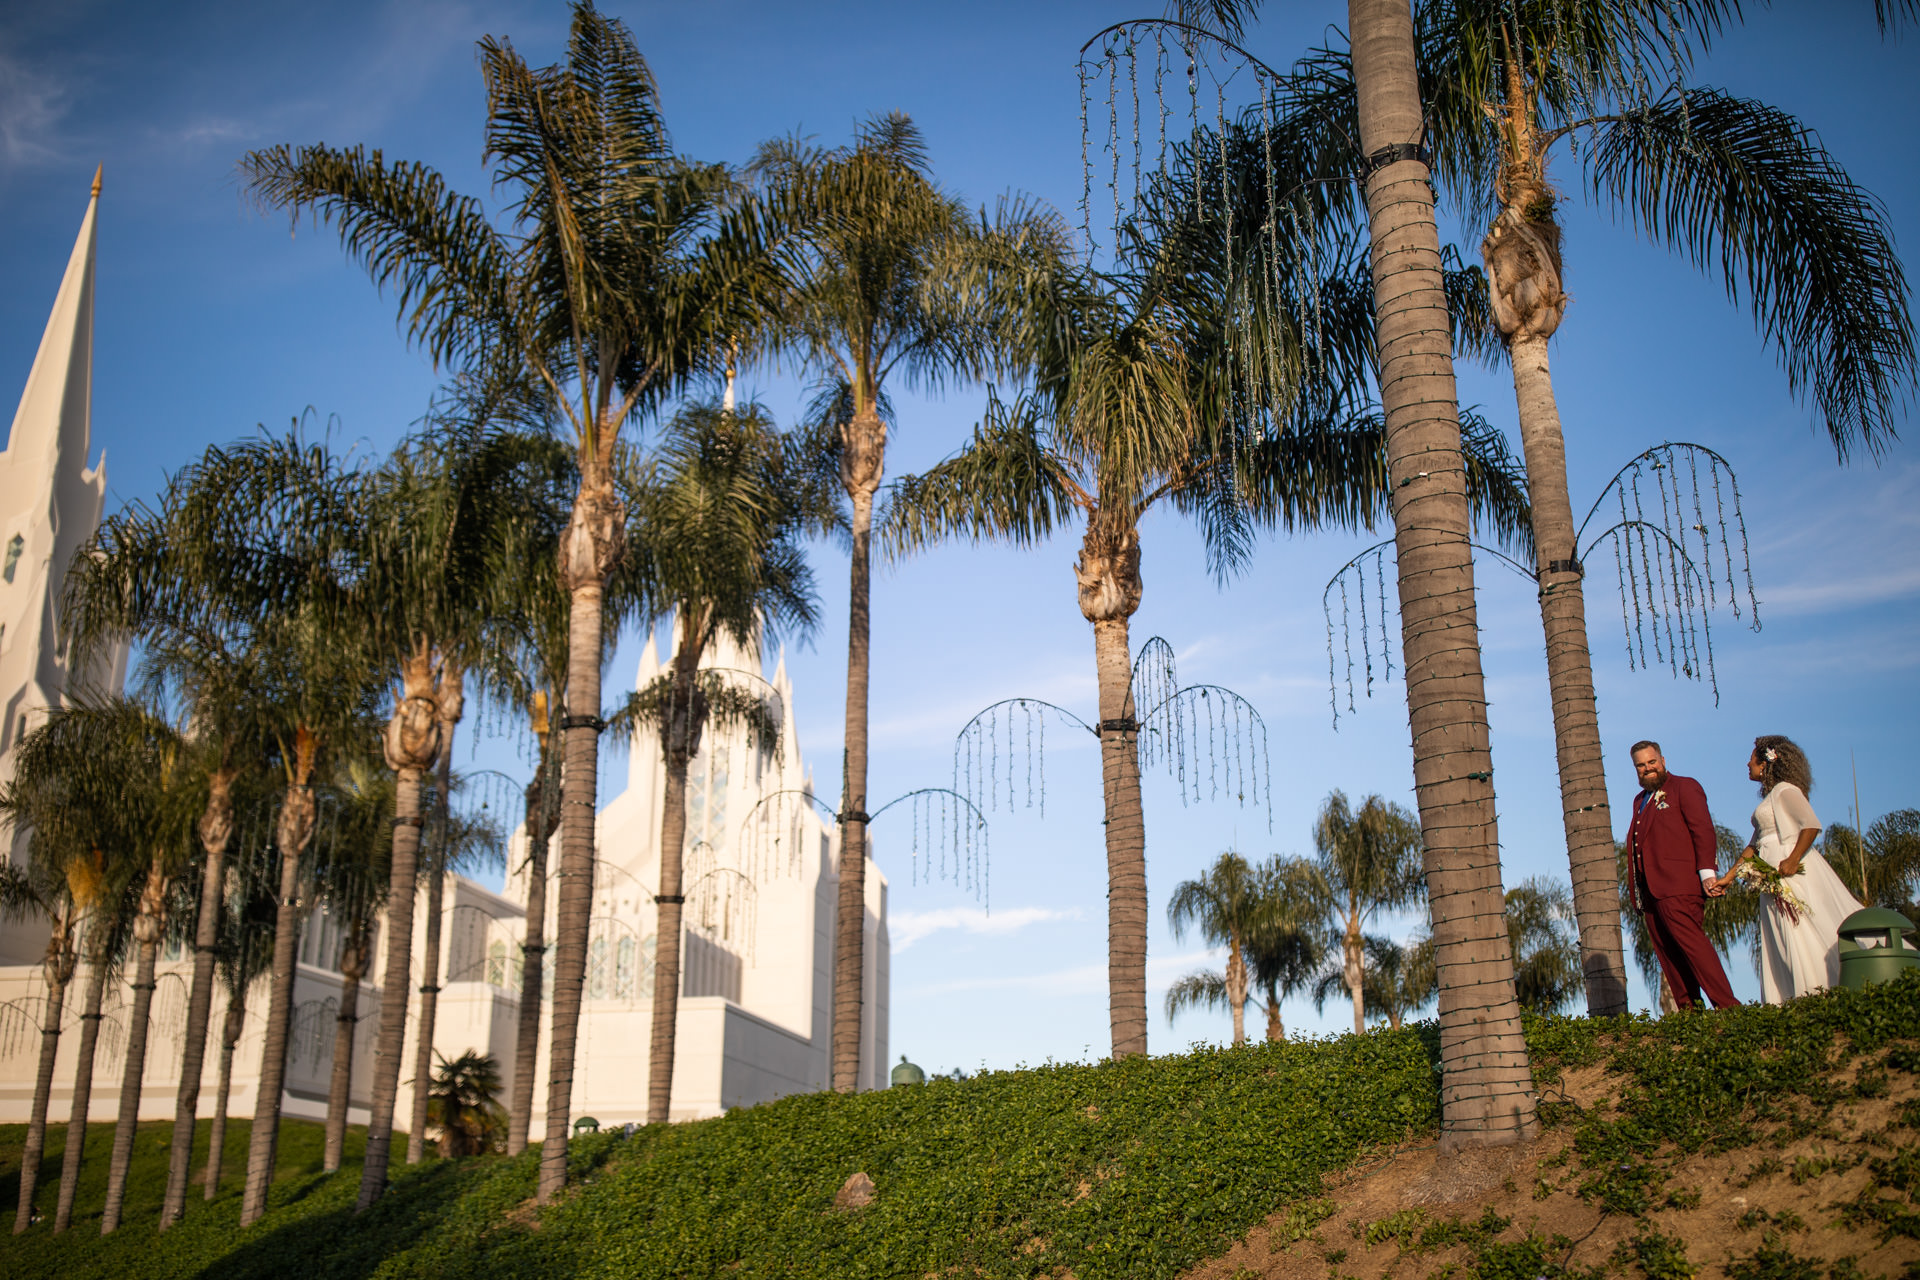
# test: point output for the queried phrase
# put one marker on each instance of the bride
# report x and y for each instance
(1799, 942)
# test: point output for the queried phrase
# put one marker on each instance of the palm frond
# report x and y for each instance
(1738, 185)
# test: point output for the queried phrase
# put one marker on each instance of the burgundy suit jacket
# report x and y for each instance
(1671, 840)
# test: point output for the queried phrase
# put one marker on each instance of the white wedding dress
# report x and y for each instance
(1798, 957)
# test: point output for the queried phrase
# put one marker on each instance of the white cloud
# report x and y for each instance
(1829, 593)
(32, 104)
(908, 927)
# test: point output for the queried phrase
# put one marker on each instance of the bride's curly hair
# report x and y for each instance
(1782, 760)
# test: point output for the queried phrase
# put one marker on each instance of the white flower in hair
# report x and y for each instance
(1772, 754)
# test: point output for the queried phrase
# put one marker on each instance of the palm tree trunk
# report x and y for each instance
(395, 985)
(1126, 839)
(592, 545)
(146, 931)
(1486, 1084)
(669, 904)
(216, 828)
(681, 727)
(526, 1047)
(82, 1087)
(353, 963)
(1522, 255)
(59, 969)
(412, 745)
(1356, 972)
(430, 961)
(1276, 1029)
(294, 831)
(1237, 990)
(429, 1007)
(850, 916)
(1576, 719)
(581, 743)
(229, 1040)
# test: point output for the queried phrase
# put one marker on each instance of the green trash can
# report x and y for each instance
(1876, 945)
(906, 1073)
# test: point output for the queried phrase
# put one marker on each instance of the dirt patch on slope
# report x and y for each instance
(1416, 1213)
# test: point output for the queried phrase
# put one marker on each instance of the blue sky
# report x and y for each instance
(211, 319)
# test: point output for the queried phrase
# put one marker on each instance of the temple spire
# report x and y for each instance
(55, 412)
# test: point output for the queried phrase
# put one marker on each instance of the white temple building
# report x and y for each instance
(50, 504)
(757, 954)
(755, 1017)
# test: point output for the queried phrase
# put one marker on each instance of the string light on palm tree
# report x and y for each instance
(1207, 737)
(943, 825)
(1680, 520)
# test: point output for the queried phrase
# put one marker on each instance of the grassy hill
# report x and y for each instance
(1147, 1168)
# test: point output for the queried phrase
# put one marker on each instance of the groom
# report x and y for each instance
(1672, 868)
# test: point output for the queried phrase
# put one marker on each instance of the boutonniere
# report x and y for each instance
(1660, 798)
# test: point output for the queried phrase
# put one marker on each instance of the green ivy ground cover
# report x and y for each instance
(1137, 1169)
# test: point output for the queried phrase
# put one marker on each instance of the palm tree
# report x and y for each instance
(873, 297)
(1133, 406)
(165, 577)
(351, 886)
(1397, 979)
(463, 1104)
(461, 843)
(1280, 948)
(1487, 1084)
(71, 776)
(160, 798)
(1285, 953)
(523, 669)
(1728, 182)
(625, 273)
(435, 516)
(288, 527)
(1546, 951)
(726, 504)
(40, 890)
(1367, 860)
(1228, 904)
(243, 951)
(1885, 864)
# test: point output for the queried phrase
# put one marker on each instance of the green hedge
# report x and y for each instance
(1133, 1169)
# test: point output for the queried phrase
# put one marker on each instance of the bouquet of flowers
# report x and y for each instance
(1764, 877)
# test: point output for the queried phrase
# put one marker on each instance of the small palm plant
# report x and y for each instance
(1286, 951)
(463, 1106)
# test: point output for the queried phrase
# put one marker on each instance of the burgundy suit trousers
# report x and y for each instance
(1678, 929)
